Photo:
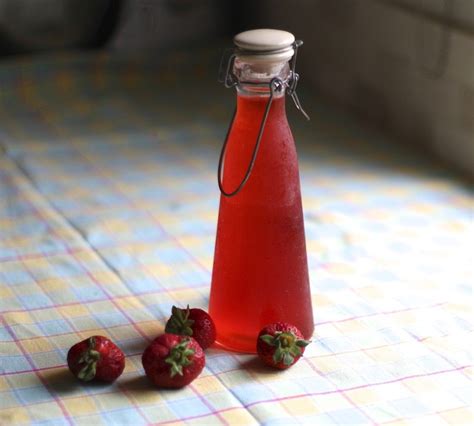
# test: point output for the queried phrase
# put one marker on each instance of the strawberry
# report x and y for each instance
(192, 322)
(96, 358)
(280, 345)
(173, 361)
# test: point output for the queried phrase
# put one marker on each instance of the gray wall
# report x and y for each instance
(405, 65)
(152, 24)
(383, 59)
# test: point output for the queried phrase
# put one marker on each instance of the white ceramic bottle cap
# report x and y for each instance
(265, 45)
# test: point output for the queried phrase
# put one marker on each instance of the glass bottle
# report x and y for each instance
(260, 272)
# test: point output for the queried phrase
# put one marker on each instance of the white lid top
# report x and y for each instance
(265, 45)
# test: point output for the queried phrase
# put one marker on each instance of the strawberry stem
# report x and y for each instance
(287, 345)
(90, 357)
(179, 322)
(179, 357)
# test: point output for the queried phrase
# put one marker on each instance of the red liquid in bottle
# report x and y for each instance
(260, 272)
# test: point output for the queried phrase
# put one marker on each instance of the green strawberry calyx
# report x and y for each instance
(179, 357)
(89, 358)
(179, 322)
(287, 345)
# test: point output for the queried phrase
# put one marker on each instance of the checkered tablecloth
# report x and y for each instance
(108, 207)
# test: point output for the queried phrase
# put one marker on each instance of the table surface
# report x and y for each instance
(108, 207)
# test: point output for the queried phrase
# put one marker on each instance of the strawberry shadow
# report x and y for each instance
(62, 382)
(139, 383)
(143, 385)
(255, 366)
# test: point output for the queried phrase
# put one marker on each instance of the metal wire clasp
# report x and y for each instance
(294, 77)
(276, 85)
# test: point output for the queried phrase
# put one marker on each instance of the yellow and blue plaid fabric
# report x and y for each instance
(108, 207)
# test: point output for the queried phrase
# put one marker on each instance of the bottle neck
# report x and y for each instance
(254, 77)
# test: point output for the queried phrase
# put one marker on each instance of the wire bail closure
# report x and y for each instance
(276, 85)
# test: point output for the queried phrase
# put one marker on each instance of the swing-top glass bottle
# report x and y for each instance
(260, 272)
